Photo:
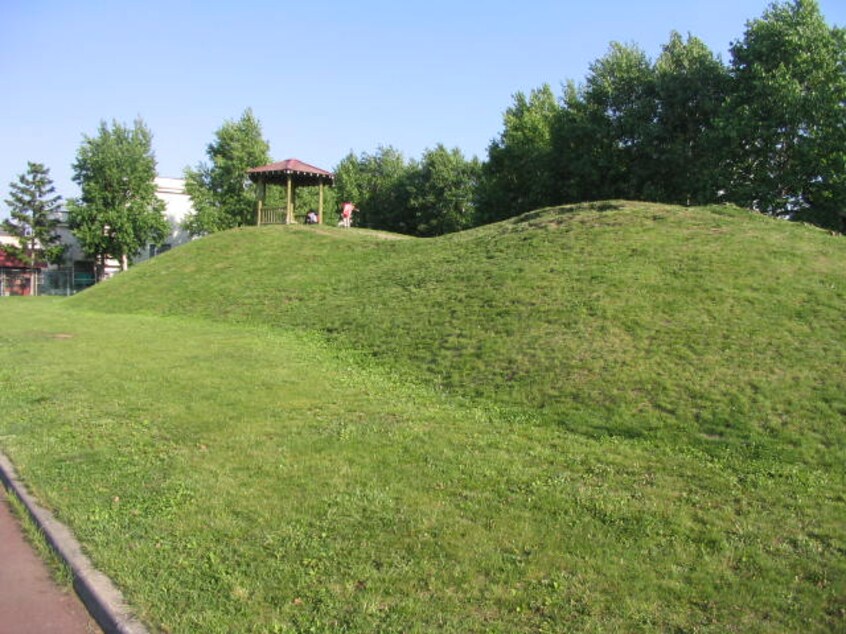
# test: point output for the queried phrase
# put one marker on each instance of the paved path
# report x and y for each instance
(30, 601)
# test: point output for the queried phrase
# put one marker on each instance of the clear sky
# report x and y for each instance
(323, 77)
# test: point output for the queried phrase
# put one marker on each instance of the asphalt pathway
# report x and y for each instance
(30, 601)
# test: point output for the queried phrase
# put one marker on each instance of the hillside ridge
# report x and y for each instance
(713, 323)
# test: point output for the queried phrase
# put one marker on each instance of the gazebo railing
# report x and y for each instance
(273, 215)
(278, 216)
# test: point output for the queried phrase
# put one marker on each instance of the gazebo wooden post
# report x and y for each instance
(260, 192)
(289, 218)
(320, 205)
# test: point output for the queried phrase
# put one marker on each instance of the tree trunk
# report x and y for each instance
(100, 267)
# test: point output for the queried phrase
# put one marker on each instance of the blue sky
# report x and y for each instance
(324, 77)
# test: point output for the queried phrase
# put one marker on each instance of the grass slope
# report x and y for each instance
(713, 325)
(642, 428)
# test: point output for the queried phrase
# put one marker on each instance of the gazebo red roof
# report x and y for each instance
(301, 172)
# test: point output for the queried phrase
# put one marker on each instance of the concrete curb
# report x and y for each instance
(99, 595)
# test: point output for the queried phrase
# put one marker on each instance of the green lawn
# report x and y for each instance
(619, 418)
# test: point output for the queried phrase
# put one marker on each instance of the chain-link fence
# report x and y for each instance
(64, 282)
(16, 282)
(50, 282)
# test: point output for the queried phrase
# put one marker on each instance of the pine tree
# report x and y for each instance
(34, 208)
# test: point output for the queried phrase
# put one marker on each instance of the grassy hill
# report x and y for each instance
(716, 325)
(611, 417)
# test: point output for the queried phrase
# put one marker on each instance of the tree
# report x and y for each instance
(619, 96)
(442, 190)
(603, 136)
(34, 208)
(581, 157)
(222, 195)
(378, 185)
(690, 88)
(783, 124)
(517, 176)
(118, 212)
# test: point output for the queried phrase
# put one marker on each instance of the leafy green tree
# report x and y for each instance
(783, 125)
(118, 212)
(34, 209)
(377, 184)
(517, 175)
(582, 151)
(442, 190)
(767, 131)
(691, 85)
(222, 195)
(602, 136)
(619, 97)
(351, 180)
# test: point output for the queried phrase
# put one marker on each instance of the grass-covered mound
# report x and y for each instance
(643, 428)
(712, 324)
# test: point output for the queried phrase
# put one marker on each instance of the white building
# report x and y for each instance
(177, 208)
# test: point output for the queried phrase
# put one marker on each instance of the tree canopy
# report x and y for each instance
(516, 176)
(766, 131)
(118, 212)
(34, 210)
(222, 195)
(442, 189)
(690, 85)
(784, 122)
(433, 196)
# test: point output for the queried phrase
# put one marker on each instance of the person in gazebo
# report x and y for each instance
(311, 217)
(347, 210)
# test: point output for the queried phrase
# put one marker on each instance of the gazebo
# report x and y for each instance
(290, 174)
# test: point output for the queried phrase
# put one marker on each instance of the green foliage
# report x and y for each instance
(221, 194)
(34, 209)
(427, 198)
(442, 189)
(376, 184)
(766, 133)
(309, 198)
(517, 175)
(620, 105)
(783, 122)
(118, 213)
(684, 153)
(578, 162)
(634, 130)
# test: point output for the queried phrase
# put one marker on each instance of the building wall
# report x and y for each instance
(7, 238)
(177, 208)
